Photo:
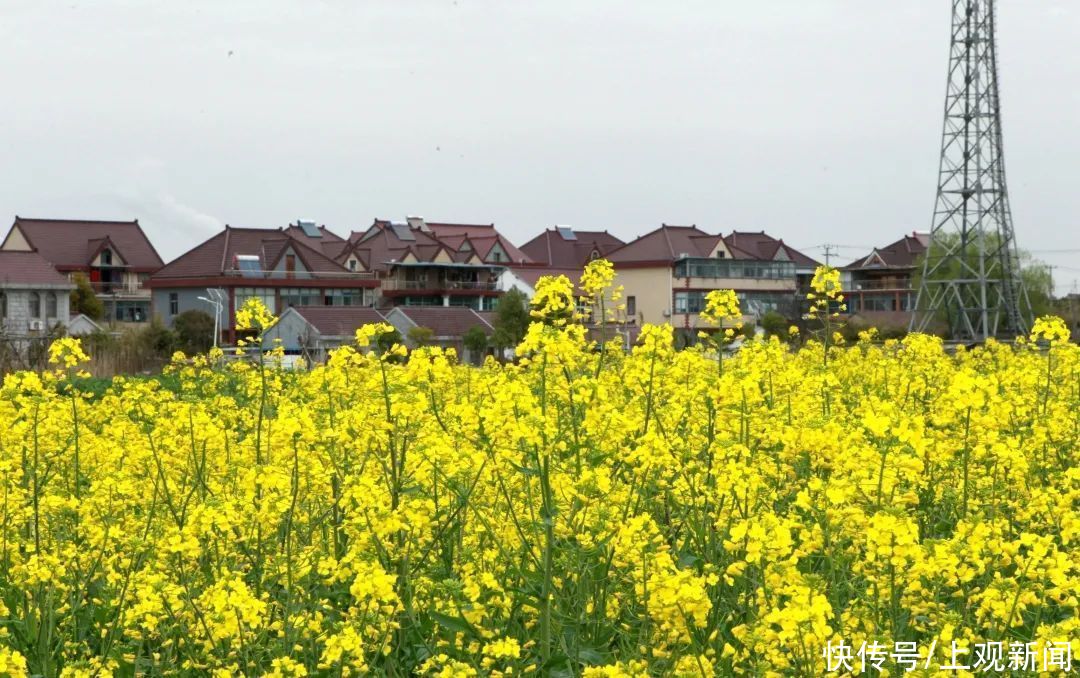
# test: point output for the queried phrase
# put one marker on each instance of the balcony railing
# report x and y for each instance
(300, 275)
(448, 285)
(122, 288)
(881, 284)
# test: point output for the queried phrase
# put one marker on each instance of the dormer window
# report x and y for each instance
(720, 254)
(352, 264)
(106, 257)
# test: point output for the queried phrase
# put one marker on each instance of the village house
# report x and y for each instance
(34, 296)
(432, 264)
(667, 273)
(447, 326)
(115, 256)
(880, 285)
(563, 250)
(314, 331)
(281, 267)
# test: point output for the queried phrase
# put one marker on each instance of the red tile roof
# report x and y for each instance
(339, 321)
(551, 248)
(901, 254)
(381, 244)
(531, 274)
(29, 268)
(762, 246)
(328, 242)
(217, 255)
(665, 244)
(483, 238)
(67, 243)
(444, 321)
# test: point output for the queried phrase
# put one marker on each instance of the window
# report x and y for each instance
(50, 305)
(734, 268)
(352, 264)
(106, 257)
(131, 311)
(34, 302)
(345, 297)
(263, 294)
(691, 301)
(631, 305)
(299, 296)
(3, 305)
(720, 254)
(290, 264)
(174, 303)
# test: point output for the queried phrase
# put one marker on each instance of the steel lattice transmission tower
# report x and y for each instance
(971, 272)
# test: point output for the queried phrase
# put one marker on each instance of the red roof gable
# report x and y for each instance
(762, 246)
(901, 254)
(65, 243)
(328, 242)
(385, 242)
(664, 245)
(555, 250)
(217, 255)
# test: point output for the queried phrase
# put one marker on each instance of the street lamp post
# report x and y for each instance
(217, 303)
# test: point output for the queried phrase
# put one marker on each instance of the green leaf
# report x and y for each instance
(455, 624)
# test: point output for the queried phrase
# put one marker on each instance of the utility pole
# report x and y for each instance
(971, 269)
(829, 250)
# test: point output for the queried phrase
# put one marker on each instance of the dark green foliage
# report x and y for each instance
(511, 319)
(194, 331)
(83, 299)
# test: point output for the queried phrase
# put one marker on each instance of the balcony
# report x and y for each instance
(120, 289)
(890, 284)
(258, 274)
(396, 285)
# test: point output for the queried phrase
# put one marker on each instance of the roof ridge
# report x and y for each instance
(78, 221)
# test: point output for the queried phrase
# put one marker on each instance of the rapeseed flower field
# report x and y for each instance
(584, 511)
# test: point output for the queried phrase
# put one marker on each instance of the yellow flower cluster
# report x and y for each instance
(826, 295)
(581, 512)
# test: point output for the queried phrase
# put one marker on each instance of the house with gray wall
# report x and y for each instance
(34, 296)
(283, 268)
(314, 331)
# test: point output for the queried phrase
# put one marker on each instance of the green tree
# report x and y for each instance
(421, 336)
(156, 339)
(1034, 274)
(1039, 283)
(476, 341)
(511, 320)
(194, 331)
(83, 299)
(775, 325)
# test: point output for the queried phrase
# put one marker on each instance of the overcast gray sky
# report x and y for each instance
(816, 120)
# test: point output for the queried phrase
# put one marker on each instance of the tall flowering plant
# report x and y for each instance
(721, 308)
(826, 297)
